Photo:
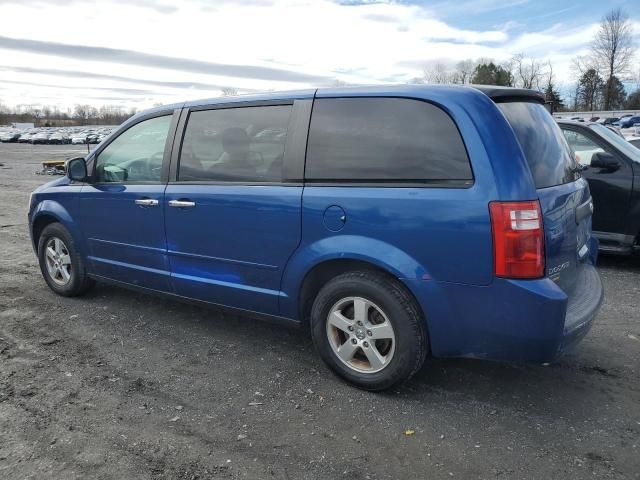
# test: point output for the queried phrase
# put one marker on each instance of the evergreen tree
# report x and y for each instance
(552, 96)
(590, 87)
(615, 90)
(491, 74)
(633, 101)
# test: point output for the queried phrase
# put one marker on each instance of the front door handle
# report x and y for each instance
(182, 203)
(147, 202)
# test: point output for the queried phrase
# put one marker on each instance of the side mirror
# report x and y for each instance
(605, 161)
(77, 169)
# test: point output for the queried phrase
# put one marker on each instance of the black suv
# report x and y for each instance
(612, 168)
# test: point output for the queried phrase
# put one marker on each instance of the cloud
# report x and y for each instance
(469, 7)
(555, 38)
(178, 48)
(150, 4)
(125, 91)
(118, 78)
(131, 57)
(377, 17)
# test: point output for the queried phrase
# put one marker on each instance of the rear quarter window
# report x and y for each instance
(549, 156)
(384, 139)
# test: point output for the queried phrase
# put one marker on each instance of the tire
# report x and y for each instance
(380, 302)
(60, 263)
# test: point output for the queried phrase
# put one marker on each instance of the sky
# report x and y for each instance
(138, 53)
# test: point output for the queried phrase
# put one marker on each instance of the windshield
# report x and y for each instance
(620, 143)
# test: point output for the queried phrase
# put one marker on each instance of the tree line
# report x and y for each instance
(599, 75)
(46, 116)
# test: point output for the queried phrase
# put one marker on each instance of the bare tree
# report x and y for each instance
(229, 91)
(549, 75)
(438, 73)
(527, 71)
(441, 72)
(576, 96)
(613, 49)
(80, 113)
(573, 90)
(464, 71)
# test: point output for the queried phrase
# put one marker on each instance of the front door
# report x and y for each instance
(232, 220)
(123, 214)
(610, 190)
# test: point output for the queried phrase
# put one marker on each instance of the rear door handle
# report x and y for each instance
(147, 202)
(182, 203)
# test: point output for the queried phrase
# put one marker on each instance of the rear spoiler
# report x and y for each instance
(509, 94)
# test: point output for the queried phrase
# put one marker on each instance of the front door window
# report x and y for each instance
(136, 155)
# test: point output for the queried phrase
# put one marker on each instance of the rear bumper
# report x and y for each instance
(582, 308)
(510, 320)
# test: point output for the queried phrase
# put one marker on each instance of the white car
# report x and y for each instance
(632, 135)
(78, 140)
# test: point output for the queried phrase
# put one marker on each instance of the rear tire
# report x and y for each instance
(60, 262)
(368, 329)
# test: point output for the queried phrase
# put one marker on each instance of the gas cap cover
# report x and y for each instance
(334, 218)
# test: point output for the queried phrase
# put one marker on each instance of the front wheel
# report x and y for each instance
(368, 329)
(60, 263)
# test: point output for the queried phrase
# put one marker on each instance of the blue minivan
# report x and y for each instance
(392, 222)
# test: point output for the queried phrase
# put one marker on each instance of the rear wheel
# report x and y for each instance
(369, 330)
(60, 263)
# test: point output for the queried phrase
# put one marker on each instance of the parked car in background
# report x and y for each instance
(56, 135)
(10, 136)
(25, 138)
(629, 122)
(59, 138)
(615, 130)
(610, 120)
(612, 168)
(41, 137)
(397, 222)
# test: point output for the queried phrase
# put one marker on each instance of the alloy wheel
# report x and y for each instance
(58, 261)
(361, 335)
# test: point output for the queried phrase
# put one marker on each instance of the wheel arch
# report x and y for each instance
(39, 224)
(48, 212)
(318, 275)
(330, 256)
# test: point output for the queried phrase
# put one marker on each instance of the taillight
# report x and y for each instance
(518, 239)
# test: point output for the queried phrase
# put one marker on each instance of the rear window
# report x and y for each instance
(384, 139)
(549, 156)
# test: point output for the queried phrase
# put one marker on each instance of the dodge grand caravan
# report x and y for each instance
(392, 222)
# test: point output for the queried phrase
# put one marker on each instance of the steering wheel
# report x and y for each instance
(154, 164)
(138, 170)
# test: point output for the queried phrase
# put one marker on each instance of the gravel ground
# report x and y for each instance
(118, 385)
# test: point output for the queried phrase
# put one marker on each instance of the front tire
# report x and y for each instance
(60, 262)
(368, 329)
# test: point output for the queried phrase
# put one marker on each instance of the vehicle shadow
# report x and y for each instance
(569, 388)
(620, 262)
(574, 387)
